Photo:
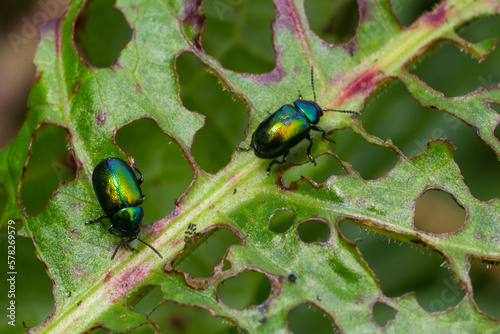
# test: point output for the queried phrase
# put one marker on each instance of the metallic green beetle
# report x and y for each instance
(287, 127)
(119, 194)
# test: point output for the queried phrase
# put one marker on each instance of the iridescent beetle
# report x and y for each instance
(119, 194)
(287, 127)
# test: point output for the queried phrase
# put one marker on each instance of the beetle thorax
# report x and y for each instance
(311, 109)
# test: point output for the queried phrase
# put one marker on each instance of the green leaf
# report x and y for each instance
(91, 104)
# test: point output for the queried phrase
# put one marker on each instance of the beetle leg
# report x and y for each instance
(123, 242)
(97, 219)
(300, 95)
(243, 148)
(117, 248)
(285, 157)
(269, 167)
(308, 150)
(111, 229)
(324, 135)
(128, 244)
(138, 171)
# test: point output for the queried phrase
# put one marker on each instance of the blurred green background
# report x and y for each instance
(238, 34)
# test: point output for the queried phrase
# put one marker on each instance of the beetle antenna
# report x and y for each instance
(117, 248)
(144, 242)
(312, 82)
(344, 111)
(338, 110)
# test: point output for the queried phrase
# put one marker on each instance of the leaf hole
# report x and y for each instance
(383, 314)
(313, 231)
(281, 220)
(445, 60)
(226, 119)
(171, 317)
(417, 126)
(167, 173)
(496, 108)
(308, 318)
(437, 211)
(227, 265)
(369, 160)
(244, 290)
(485, 278)
(420, 270)
(50, 162)
(238, 34)
(101, 33)
(408, 11)
(327, 165)
(208, 251)
(334, 22)
(146, 299)
(481, 29)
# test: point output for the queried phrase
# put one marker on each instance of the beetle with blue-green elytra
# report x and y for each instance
(288, 126)
(119, 193)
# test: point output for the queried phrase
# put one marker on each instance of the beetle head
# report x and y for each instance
(128, 220)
